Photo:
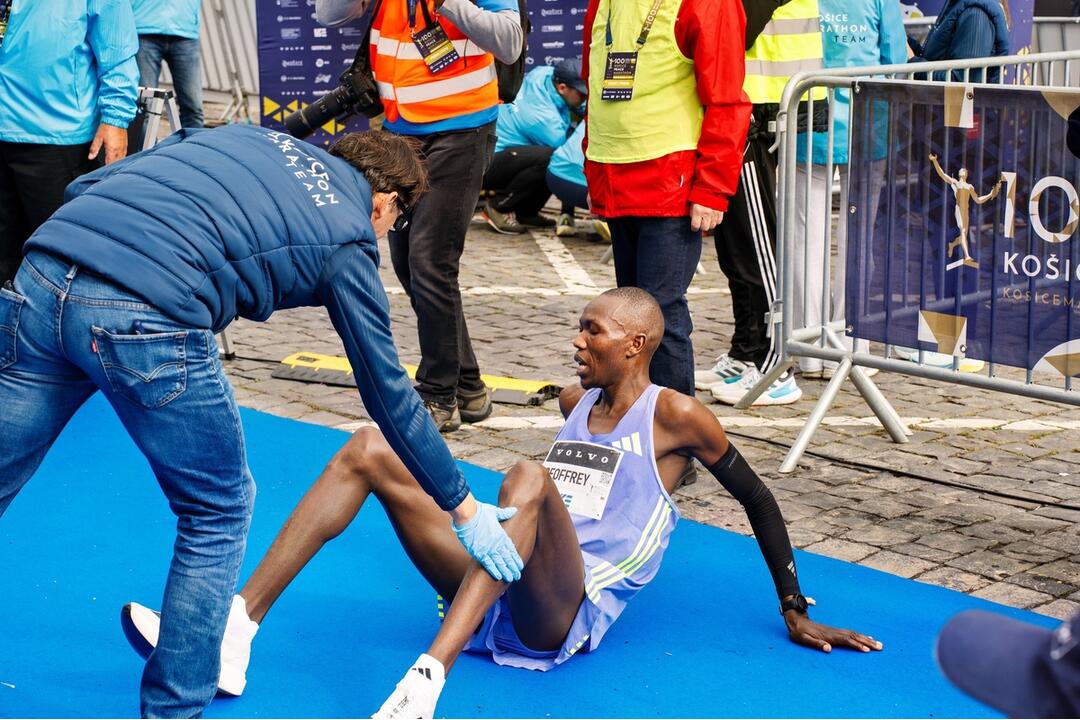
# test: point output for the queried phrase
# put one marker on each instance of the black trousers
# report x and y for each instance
(746, 248)
(32, 182)
(426, 257)
(518, 175)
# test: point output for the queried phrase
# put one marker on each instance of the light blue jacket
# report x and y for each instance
(855, 33)
(65, 67)
(568, 162)
(538, 116)
(167, 17)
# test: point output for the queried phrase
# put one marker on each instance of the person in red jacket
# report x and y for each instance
(667, 123)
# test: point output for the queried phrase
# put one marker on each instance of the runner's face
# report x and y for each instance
(600, 345)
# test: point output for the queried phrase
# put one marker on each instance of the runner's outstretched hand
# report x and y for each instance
(804, 631)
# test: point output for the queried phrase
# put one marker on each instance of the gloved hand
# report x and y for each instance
(486, 541)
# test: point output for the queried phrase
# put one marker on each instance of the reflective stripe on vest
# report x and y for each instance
(789, 44)
(408, 88)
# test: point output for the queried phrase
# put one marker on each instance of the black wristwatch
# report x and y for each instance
(797, 602)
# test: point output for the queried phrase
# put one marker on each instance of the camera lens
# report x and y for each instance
(306, 121)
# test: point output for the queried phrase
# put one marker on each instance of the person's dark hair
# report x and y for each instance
(391, 163)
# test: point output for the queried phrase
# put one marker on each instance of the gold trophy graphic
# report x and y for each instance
(965, 193)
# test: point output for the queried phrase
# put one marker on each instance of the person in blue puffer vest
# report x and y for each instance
(67, 91)
(529, 130)
(122, 291)
(169, 32)
(967, 29)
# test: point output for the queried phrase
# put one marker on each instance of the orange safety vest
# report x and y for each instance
(406, 85)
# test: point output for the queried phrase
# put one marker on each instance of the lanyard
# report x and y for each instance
(645, 27)
(5, 15)
(411, 4)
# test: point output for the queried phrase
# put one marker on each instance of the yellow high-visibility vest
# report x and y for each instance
(665, 114)
(789, 44)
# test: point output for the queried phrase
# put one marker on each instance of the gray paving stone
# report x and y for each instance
(841, 549)
(953, 579)
(1060, 609)
(897, 564)
(992, 565)
(1014, 595)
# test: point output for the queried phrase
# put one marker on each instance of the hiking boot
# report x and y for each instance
(446, 417)
(538, 221)
(505, 223)
(474, 406)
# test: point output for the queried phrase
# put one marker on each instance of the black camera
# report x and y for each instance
(358, 94)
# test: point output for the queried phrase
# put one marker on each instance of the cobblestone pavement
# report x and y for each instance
(931, 510)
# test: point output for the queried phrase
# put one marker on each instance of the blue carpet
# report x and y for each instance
(92, 531)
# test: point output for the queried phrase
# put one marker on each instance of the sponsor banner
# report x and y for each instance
(1020, 14)
(972, 247)
(300, 60)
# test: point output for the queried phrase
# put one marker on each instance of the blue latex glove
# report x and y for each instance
(486, 541)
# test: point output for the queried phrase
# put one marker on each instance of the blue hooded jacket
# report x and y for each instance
(66, 66)
(179, 18)
(538, 115)
(242, 221)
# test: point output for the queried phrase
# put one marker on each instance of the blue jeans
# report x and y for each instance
(66, 333)
(659, 255)
(182, 55)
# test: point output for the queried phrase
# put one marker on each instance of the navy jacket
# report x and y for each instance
(967, 29)
(242, 221)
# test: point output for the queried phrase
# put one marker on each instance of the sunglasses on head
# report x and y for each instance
(402, 220)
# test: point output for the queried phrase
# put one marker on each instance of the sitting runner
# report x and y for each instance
(592, 522)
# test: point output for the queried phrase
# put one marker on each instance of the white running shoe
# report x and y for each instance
(417, 693)
(940, 360)
(141, 626)
(782, 392)
(726, 370)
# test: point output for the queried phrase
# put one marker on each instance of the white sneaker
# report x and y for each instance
(782, 392)
(565, 227)
(936, 359)
(726, 370)
(141, 626)
(417, 693)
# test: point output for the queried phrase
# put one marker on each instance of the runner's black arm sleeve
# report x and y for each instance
(737, 477)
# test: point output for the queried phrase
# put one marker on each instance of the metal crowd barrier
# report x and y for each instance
(794, 338)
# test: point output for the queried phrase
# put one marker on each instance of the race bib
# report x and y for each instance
(584, 473)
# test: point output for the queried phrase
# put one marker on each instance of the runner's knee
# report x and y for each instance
(527, 484)
(364, 457)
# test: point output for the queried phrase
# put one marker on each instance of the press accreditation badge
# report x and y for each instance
(619, 76)
(436, 48)
(5, 15)
(584, 473)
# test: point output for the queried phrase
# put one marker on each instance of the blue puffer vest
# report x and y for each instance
(214, 224)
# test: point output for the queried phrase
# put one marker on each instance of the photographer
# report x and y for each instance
(434, 62)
